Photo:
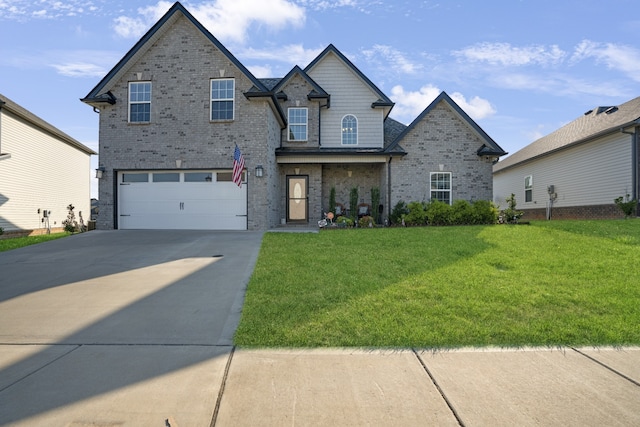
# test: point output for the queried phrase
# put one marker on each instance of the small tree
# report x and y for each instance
(375, 202)
(511, 215)
(353, 203)
(70, 224)
(627, 206)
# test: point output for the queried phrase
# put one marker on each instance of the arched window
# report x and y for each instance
(349, 130)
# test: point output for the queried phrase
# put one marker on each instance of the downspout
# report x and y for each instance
(320, 120)
(389, 188)
(634, 156)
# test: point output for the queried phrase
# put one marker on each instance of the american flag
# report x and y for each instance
(238, 166)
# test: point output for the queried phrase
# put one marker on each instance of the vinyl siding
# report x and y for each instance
(594, 173)
(42, 173)
(349, 95)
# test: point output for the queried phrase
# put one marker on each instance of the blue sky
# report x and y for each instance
(520, 68)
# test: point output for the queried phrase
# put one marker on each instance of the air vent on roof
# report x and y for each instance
(588, 112)
(607, 110)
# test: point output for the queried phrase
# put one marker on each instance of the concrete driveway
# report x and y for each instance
(108, 326)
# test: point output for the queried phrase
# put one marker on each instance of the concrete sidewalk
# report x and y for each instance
(491, 387)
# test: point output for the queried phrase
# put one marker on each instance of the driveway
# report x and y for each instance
(108, 326)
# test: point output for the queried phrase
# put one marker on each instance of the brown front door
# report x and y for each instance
(297, 198)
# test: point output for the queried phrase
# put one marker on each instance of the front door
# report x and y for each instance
(297, 198)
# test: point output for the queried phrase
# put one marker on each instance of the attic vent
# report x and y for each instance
(588, 112)
(607, 110)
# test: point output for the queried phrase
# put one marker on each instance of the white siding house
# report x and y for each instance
(578, 170)
(41, 169)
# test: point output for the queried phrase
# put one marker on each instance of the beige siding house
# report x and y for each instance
(578, 170)
(41, 169)
(176, 106)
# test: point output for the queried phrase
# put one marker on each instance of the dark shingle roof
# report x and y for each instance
(392, 128)
(593, 124)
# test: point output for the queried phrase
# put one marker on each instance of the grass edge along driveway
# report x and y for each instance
(550, 283)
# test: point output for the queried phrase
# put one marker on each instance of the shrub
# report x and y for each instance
(627, 207)
(332, 200)
(1, 231)
(344, 221)
(353, 203)
(375, 202)
(70, 224)
(484, 212)
(461, 213)
(511, 215)
(439, 213)
(366, 222)
(417, 215)
(398, 212)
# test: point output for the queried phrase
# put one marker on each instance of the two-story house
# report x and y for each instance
(176, 106)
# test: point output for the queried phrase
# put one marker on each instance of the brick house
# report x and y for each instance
(577, 171)
(175, 107)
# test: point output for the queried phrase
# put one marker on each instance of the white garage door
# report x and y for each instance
(194, 200)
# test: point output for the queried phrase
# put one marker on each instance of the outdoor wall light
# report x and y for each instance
(259, 171)
(99, 172)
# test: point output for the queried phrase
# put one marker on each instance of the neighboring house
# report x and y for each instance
(578, 170)
(42, 169)
(175, 107)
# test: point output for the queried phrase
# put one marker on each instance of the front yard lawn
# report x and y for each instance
(545, 284)
(18, 242)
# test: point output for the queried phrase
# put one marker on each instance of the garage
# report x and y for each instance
(185, 200)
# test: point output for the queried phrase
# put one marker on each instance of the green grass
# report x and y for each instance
(545, 284)
(19, 242)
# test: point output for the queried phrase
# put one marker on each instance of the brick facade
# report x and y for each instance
(575, 212)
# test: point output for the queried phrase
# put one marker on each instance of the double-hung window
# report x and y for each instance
(349, 130)
(222, 99)
(441, 186)
(528, 188)
(298, 124)
(139, 102)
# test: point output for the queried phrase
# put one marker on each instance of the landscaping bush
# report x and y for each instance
(439, 213)
(511, 215)
(353, 203)
(366, 222)
(375, 202)
(484, 212)
(344, 221)
(398, 212)
(461, 213)
(627, 207)
(417, 214)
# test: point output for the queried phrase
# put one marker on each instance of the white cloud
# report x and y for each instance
(411, 104)
(506, 55)
(261, 71)
(292, 54)
(327, 4)
(228, 20)
(80, 69)
(618, 57)
(391, 58)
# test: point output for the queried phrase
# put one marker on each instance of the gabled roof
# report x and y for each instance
(97, 94)
(593, 124)
(9, 105)
(489, 148)
(316, 90)
(383, 100)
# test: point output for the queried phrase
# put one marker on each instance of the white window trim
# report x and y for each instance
(450, 190)
(529, 188)
(212, 100)
(342, 130)
(306, 125)
(139, 102)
